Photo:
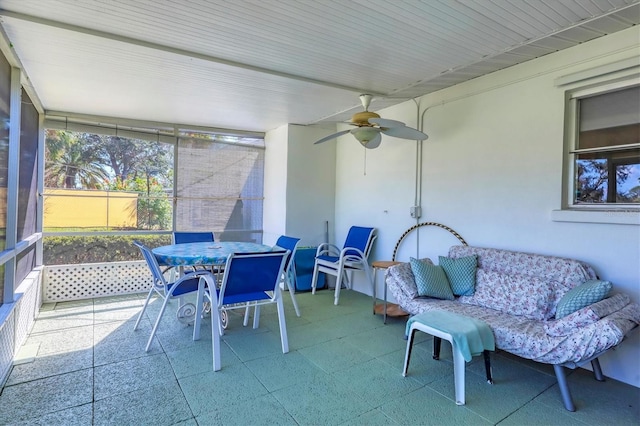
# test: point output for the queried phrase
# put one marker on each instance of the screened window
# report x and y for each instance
(97, 182)
(5, 99)
(27, 185)
(606, 158)
(220, 187)
(102, 190)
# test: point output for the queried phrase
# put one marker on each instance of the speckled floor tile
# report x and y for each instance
(213, 390)
(51, 365)
(379, 341)
(126, 376)
(81, 415)
(322, 401)
(335, 355)
(44, 396)
(603, 403)
(281, 370)
(198, 359)
(155, 405)
(376, 382)
(344, 368)
(374, 417)
(109, 351)
(514, 386)
(543, 416)
(257, 345)
(427, 407)
(62, 340)
(263, 410)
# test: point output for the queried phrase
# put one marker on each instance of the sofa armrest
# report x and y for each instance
(585, 316)
(401, 282)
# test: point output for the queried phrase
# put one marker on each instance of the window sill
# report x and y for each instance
(613, 217)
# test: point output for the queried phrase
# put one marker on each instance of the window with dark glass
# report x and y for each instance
(607, 154)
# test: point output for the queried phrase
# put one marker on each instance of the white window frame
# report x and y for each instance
(600, 80)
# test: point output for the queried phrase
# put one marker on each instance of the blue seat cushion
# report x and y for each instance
(332, 259)
(187, 286)
(245, 297)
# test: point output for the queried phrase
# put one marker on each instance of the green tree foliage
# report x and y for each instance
(91, 161)
(154, 208)
(593, 182)
(71, 163)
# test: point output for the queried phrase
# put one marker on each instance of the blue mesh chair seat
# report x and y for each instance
(332, 260)
(288, 275)
(188, 283)
(249, 279)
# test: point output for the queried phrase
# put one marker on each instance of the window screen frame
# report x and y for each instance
(572, 138)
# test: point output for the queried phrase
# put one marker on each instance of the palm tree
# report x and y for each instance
(70, 163)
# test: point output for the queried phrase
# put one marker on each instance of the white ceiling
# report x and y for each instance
(257, 65)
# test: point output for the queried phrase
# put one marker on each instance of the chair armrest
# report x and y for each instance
(327, 249)
(359, 257)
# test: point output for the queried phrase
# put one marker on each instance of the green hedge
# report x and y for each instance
(97, 249)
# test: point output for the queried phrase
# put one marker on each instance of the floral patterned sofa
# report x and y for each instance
(517, 294)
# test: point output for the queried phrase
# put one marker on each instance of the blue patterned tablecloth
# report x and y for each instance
(209, 253)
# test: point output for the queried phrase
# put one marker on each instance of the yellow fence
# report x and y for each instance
(74, 208)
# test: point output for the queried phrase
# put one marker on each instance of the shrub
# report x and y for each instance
(97, 249)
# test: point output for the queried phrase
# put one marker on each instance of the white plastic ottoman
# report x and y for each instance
(458, 357)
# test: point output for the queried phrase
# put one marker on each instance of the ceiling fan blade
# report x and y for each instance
(333, 136)
(385, 122)
(374, 143)
(405, 133)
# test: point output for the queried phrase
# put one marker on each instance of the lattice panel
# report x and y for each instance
(27, 306)
(83, 281)
(7, 346)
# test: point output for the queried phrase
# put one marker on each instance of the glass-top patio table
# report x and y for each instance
(207, 253)
(203, 254)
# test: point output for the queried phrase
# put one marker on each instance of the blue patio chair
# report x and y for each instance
(168, 290)
(249, 278)
(180, 237)
(342, 262)
(288, 275)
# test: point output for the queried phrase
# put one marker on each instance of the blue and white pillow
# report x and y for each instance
(585, 294)
(431, 280)
(461, 274)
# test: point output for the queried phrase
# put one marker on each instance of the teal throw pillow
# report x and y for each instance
(584, 295)
(461, 274)
(431, 280)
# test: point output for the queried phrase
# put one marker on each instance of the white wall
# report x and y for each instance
(275, 184)
(299, 185)
(492, 170)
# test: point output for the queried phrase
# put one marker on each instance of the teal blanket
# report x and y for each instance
(471, 335)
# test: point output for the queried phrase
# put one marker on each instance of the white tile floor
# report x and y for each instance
(344, 368)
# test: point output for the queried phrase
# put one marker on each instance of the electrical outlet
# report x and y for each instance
(416, 212)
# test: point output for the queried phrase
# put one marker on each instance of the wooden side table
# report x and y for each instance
(390, 309)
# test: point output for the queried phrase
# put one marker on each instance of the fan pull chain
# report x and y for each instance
(365, 162)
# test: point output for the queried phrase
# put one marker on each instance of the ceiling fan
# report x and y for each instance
(369, 127)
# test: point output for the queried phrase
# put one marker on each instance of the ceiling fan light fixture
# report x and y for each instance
(365, 134)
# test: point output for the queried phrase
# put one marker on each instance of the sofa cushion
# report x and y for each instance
(461, 274)
(585, 294)
(565, 273)
(515, 294)
(431, 280)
